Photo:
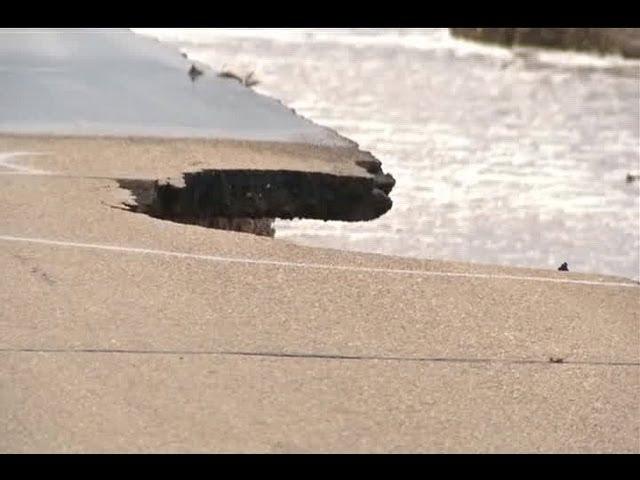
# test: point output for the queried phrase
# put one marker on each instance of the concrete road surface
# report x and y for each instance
(124, 333)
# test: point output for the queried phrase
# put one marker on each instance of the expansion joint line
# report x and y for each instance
(320, 356)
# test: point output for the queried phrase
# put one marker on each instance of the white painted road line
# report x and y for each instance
(249, 261)
(6, 162)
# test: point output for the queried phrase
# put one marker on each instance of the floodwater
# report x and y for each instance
(506, 157)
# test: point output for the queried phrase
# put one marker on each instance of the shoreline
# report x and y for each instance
(613, 41)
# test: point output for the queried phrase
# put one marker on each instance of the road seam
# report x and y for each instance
(321, 356)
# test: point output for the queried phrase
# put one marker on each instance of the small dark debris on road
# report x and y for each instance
(194, 73)
(247, 80)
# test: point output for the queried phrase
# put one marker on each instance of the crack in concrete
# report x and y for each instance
(35, 269)
(325, 356)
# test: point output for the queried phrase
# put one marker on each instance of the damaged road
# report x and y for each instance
(249, 200)
(215, 153)
(120, 333)
(224, 184)
(163, 337)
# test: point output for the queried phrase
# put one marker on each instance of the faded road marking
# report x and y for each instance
(7, 162)
(249, 261)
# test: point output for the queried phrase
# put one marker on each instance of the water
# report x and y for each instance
(505, 157)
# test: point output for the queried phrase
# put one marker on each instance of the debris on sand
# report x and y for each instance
(564, 267)
(194, 73)
(247, 80)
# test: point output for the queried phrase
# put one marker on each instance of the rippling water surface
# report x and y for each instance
(507, 157)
